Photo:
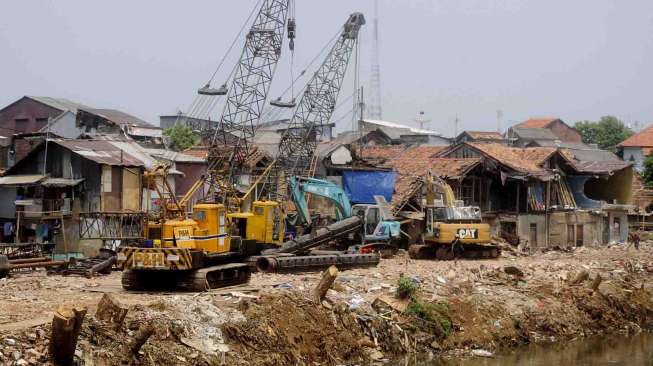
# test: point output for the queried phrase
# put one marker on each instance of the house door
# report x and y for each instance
(579, 235)
(533, 235)
(606, 230)
(131, 189)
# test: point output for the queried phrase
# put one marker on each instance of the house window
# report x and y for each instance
(22, 120)
(106, 178)
(579, 235)
(42, 120)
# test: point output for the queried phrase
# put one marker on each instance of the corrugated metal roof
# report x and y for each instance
(531, 133)
(20, 180)
(175, 156)
(393, 125)
(119, 117)
(101, 152)
(146, 131)
(594, 161)
(61, 182)
(61, 104)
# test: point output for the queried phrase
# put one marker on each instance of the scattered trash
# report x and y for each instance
(355, 302)
(482, 353)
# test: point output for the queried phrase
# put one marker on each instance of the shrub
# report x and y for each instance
(406, 288)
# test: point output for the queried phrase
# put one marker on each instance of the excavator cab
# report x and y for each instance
(377, 226)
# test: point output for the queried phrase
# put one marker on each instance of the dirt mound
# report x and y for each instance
(288, 329)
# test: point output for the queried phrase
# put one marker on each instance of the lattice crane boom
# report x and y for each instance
(299, 142)
(248, 90)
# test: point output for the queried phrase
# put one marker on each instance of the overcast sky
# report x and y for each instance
(576, 60)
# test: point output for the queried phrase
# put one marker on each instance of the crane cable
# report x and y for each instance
(202, 106)
(233, 43)
(357, 100)
(273, 113)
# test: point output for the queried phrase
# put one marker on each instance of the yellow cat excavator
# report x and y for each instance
(451, 229)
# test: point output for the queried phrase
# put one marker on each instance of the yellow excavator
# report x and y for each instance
(451, 229)
(209, 248)
(199, 251)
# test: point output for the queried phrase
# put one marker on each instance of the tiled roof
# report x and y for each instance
(380, 153)
(413, 162)
(537, 123)
(526, 160)
(644, 138)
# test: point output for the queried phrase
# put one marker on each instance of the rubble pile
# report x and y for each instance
(469, 308)
(289, 329)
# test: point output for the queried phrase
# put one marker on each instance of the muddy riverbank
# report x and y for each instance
(457, 308)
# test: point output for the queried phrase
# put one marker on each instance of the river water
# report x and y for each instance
(597, 351)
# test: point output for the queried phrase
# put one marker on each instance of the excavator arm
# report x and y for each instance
(299, 186)
(432, 184)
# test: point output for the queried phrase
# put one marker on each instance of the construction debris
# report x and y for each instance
(476, 305)
(111, 311)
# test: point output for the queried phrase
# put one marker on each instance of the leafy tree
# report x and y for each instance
(180, 137)
(608, 132)
(647, 173)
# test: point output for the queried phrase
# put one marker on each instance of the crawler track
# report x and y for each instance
(446, 252)
(198, 280)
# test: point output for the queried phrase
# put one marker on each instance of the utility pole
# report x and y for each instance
(375, 109)
(499, 120)
(455, 122)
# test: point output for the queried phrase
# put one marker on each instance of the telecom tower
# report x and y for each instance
(374, 106)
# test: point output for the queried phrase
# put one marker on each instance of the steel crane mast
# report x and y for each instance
(247, 92)
(298, 144)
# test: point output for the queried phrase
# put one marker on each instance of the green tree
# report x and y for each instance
(180, 137)
(647, 173)
(608, 132)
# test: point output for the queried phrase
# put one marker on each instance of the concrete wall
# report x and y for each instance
(523, 229)
(636, 155)
(590, 224)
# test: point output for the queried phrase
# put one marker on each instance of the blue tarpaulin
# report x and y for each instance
(362, 186)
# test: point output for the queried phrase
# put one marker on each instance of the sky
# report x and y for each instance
(577, 60)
